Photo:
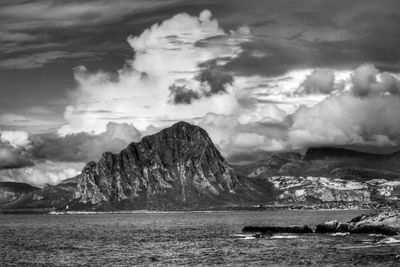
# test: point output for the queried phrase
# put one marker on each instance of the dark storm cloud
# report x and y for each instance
(40, 32)
(216, 78)
(320, 34)
(179, 94)
(83, 146)
(278, 59)
(40, 59)
(17, 152)
(12, 158)
(212, 76)
(48, 158)
(290, 35)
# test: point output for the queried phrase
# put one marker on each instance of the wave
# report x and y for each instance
(389, 240)
(340, 234)
(283, 236)
(245, 237)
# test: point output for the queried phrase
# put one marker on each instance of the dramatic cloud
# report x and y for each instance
(37, 14)
(15, 138)
(182, 95)
(365, 81)
(11, 158)
(215, 78)
(83, 146)
(42, 173)
(171, 69)
(234, 137)
(47, 158)
(212, 81)
(266, 76)
(344, 118)
(348, 120)
(320, 81)
(40, 59)
(13, 149)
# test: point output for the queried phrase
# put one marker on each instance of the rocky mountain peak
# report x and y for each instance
(177, 166)
(174, 169)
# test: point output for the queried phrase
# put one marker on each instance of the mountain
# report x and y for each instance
(320, 153)
(326, 189)
(330, 175)
(273, 164)
(10, 191)
(177, 168)
(328, 162)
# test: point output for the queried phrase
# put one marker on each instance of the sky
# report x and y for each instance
(80, 78)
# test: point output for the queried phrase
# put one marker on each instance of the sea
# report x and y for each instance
(186, 239)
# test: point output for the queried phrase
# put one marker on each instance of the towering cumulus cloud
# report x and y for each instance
(179, 73)
(365, 115)
(358, 109)
(319, 81)
(368, 81)
(176, 63)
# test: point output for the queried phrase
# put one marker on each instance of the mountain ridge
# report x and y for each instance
(176, 168)
(179, 168)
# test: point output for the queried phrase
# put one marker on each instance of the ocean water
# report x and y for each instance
(185, 238)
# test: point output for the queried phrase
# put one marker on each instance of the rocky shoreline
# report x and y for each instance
(384, 223)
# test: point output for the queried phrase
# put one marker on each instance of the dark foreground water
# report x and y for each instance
(189, 238)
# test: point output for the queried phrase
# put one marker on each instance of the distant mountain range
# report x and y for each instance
(179, 168)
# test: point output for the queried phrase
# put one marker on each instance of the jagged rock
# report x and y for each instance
(385, 223)
(298, 229)
(178, 165)
(386, 217)
(332, 227)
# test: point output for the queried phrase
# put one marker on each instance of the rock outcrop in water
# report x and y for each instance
(384, 222)
(269, 230)
(177, 168)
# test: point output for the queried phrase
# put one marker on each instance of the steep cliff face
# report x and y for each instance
(177, 167)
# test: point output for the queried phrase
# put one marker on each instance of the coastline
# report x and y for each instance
(334, 206)
(47, 212)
